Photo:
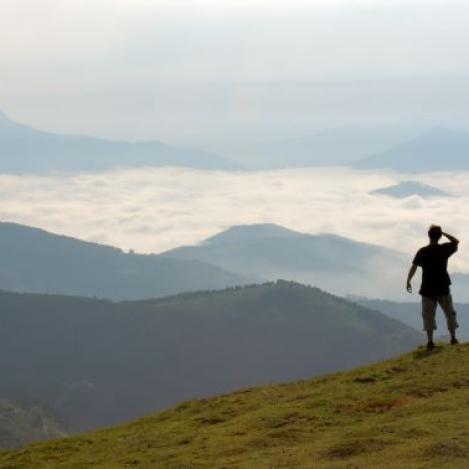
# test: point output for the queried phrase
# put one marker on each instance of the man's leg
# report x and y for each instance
(446, 303)
(429, 304)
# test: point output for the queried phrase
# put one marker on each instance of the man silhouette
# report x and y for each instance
(435, 289)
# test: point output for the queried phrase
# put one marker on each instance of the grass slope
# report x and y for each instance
(407, 412)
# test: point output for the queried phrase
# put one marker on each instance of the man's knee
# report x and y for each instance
(446, 304)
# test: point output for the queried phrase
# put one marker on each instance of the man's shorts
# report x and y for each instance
(429, 304)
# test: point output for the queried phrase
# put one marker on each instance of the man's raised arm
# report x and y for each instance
(452, 239)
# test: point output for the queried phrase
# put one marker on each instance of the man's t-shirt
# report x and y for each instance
(434, 262)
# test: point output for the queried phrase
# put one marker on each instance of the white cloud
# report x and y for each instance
(151, 210)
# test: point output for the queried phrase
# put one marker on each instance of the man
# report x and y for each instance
(436, 283)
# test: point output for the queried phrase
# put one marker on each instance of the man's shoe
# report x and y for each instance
(454, 341)
(430, 346)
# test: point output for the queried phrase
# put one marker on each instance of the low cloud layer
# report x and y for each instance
(152, 210)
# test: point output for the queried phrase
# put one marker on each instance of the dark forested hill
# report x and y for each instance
(331, 262)
(97, 363)
(33, 260)
(24, 149)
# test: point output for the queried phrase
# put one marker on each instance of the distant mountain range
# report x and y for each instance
(329, 147)
(36, 261)
(409, 188)
(24, 149)
(95, 362)
(331, 262)
(440, 149)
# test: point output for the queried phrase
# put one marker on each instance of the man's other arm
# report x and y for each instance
(412, 270)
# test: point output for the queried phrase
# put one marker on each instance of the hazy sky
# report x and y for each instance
(175, 70)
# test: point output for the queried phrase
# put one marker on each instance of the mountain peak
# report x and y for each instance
(245, 232)
(408, 188)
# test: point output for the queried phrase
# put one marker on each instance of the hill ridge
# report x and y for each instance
(35, 260)
(150, 355)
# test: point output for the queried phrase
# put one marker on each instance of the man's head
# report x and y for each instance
(434, 233)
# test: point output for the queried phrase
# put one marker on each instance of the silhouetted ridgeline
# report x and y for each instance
(35, 261)
(39, 262)
(96, 362)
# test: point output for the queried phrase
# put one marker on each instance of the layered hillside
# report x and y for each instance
(36, 261)
(407, 412)
(334, 263)
(98, 363)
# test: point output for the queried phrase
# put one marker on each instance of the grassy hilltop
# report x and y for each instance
(409, 412)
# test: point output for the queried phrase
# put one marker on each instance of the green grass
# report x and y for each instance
(409, 412)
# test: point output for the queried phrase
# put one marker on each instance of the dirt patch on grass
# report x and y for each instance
(375, 406)
(446, 449)
(381, 406)
(366, 379)
(426, 392)
(351, 448)
(211, 420)
(287, 419)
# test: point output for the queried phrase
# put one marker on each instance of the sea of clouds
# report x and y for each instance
(155, 209)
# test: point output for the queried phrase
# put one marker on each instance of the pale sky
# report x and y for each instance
(173, 70)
